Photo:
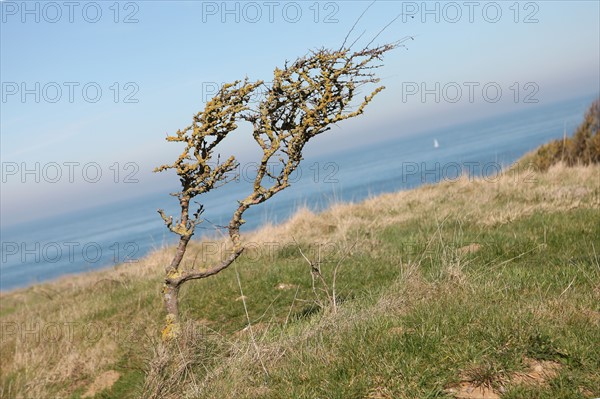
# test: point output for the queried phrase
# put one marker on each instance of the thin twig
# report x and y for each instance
(355, 23)
(312, 268)
(383, 29)
(358, 38)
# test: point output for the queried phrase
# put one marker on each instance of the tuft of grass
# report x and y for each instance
(486, 374)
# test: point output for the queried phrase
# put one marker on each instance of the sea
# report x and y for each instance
(108, 235)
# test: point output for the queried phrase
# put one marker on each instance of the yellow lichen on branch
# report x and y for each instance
(172, 328)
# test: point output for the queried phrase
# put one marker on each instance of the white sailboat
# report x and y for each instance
(435, 143)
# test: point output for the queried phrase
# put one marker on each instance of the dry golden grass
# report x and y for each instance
(521, 191)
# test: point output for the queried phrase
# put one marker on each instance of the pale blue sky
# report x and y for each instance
(177, 48)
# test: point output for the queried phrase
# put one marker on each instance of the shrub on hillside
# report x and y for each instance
(582, 148)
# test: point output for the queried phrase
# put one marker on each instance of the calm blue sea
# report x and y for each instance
(126, 231)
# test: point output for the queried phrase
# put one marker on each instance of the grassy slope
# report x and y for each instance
(465, 280)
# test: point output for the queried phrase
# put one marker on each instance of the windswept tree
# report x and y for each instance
(304, 99)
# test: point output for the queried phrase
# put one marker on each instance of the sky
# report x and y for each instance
(90, 89)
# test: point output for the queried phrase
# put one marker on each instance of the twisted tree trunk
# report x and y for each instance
(171, 291)
(175, 278)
